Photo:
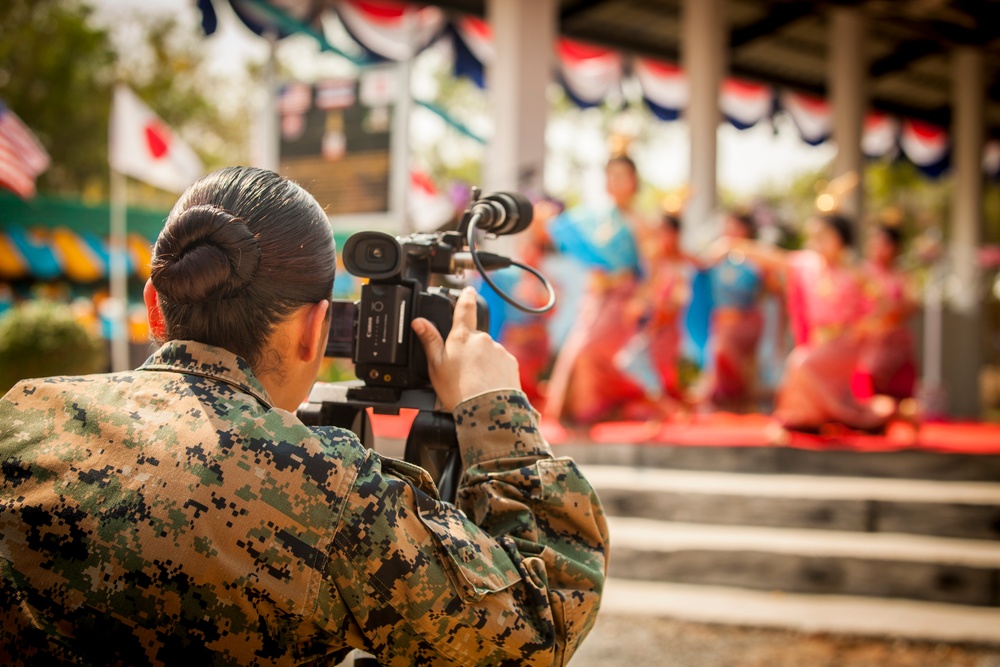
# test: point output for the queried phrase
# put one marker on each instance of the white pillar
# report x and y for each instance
(847, 77)
(703, 56)
(524, 32)
(265, 137)
(962, 337)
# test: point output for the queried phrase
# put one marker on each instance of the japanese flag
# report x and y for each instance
(145, 148)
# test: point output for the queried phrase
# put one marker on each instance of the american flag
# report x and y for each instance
(22, 158)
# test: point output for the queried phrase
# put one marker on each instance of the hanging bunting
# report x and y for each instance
(588, 73)
(745, 104)
(926, 146)
(279, 17)
(811, 115)
(665, 88)
(390, 30)
(880, 136)
(474, 49)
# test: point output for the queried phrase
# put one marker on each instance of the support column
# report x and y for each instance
(703, 55)
(524, 32)
(848, 85)
(963, 327)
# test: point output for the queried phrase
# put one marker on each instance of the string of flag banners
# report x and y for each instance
(390, 30)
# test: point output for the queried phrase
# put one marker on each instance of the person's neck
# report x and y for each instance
(283, 385)
(278, 393)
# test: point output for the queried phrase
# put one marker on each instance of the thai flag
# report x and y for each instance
(22, 158)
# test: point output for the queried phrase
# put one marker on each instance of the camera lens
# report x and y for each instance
(373, 255)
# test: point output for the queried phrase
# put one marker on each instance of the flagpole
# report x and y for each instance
(118, 272)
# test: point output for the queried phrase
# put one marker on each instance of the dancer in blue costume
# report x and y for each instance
(585, 385)
(737, 284)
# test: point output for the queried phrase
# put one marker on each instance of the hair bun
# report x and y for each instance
(204, 253)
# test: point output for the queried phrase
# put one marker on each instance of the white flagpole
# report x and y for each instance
(118, 272)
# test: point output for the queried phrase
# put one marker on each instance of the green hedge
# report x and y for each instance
(40, 339)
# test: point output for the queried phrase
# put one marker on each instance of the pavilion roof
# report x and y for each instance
(784, 42)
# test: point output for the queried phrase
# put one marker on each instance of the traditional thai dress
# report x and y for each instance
(669, 291)
(736, 327)
(816, 388)
(887, 365)
(585, 384)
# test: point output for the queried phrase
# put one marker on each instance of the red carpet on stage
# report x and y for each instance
(729, 430)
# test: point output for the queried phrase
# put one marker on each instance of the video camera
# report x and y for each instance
(375, 332)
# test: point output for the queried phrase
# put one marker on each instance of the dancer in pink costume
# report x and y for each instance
(826, 305)
(887, 365)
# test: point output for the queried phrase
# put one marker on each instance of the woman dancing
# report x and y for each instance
(585, 385)
(737, 284)
(826, 302)
(887, 366)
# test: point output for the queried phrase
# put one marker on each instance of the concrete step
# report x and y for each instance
(968, 510)
(829, 614)
(808, 561)
(901, 464)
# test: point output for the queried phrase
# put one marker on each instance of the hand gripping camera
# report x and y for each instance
(375, 331)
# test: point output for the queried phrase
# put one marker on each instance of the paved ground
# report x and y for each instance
(630, 641)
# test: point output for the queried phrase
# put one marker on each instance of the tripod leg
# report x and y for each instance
(433, 445)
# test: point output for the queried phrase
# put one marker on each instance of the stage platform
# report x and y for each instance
(957, 451)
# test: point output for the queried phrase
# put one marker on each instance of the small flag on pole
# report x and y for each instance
(145, 148)
(22, 158)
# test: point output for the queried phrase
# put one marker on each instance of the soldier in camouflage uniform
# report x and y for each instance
(182, 512)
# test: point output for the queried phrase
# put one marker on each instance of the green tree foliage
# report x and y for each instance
(40, 338)
(57, 71)
(56, 74)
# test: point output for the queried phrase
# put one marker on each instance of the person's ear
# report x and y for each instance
(312, 342)
(157, 326)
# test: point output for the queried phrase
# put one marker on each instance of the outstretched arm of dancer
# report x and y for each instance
(768, 257)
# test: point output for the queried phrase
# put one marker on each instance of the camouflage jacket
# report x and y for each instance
(172, 513)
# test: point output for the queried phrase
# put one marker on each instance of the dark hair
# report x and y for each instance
(241, 249)
(893, 234)
(625, 160)
(671, 221)
(841, 226)
(747, 222)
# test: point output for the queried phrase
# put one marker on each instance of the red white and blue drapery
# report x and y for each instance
(393, 30)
